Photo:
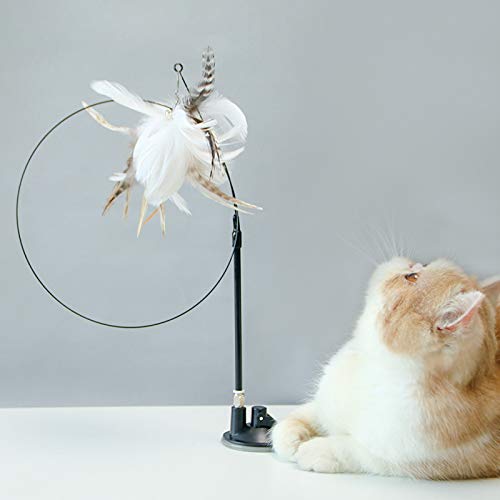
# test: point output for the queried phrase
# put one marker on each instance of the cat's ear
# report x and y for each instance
(459, 311)
(491, 288)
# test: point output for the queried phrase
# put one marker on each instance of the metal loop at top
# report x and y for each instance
(49, 291)
(178, 67)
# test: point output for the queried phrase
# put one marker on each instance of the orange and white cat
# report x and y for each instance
(416, 391)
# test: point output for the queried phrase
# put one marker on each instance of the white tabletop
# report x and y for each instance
(172, 453)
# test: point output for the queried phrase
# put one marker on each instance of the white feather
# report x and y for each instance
(207, 124)
(118, 177)
(122, 96)
(180, 203)
(104, 123)
(162, 154)
(231, 129)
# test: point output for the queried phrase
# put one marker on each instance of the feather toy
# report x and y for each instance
(192, 141)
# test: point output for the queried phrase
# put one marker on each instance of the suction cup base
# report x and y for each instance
(253, 436)
(257, 442)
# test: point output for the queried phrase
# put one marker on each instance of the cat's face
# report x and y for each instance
(425, 309)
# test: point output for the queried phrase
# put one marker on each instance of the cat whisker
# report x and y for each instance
(376, 238)
(358, 249)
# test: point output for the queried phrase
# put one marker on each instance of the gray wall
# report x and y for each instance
(367, 120)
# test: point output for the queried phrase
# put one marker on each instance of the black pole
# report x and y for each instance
(243, 435)
(238, 360)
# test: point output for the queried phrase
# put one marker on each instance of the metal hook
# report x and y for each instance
(178, 67)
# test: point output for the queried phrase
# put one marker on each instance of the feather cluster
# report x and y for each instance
(191, 141)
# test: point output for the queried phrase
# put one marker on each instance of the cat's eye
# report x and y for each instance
(412, 277)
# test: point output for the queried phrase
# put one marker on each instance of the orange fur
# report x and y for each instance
(498, 333)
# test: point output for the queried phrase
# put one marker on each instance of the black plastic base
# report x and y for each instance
(253, 436)
(256, 442)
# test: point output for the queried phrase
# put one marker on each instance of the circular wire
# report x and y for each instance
(51, 293)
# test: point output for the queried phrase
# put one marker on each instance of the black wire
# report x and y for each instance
(49, 291)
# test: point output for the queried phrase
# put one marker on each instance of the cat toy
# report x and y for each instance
(192, 141)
